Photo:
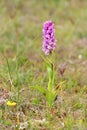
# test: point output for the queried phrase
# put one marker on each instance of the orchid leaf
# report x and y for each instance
(50, 96)
(59, 86)
(40, 89)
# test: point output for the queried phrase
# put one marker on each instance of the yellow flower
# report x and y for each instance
(10, 103)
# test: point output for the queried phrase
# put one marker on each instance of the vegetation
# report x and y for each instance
(22, 66)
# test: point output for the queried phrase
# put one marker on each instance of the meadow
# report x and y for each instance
(21, 65)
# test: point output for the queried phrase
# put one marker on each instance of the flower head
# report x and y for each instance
(49, 41)
(10, 103)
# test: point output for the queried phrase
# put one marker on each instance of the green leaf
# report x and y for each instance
(50, 96)
(40, 89)
(50, 70)
(47, 61)
(51, 76)
(0, 114)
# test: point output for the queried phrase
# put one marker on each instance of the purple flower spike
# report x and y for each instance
(49, 41)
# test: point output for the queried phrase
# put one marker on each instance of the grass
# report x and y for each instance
(22, 67)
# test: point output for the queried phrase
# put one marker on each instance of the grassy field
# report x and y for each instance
(21, 65)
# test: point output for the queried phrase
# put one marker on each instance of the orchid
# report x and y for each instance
(49, 41)
(49, 45)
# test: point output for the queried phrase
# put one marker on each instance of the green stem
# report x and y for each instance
(17, 80)
(50, 69)
(9, 71)
(51, 77)
(18, 87)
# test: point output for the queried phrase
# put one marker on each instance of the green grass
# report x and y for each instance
(21, 23)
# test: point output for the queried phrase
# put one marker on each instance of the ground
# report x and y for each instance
(21, 64)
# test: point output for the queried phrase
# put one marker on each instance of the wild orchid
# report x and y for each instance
(49, 41)
(49, 45)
